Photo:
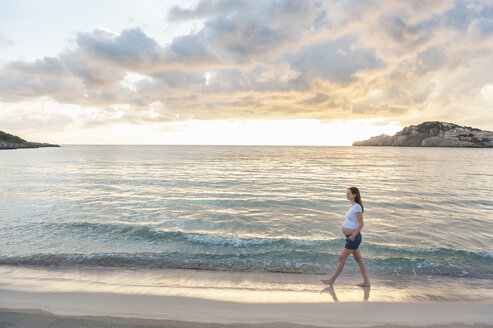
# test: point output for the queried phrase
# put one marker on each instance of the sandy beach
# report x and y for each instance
(168, 309)
(37, 318)
(95, 297)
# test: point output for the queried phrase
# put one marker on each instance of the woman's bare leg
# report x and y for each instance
(359, 259)
(342, 260)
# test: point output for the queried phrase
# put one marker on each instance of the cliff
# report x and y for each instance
(433, 134)
(9, 141)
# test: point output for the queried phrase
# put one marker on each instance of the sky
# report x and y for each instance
(282, 72)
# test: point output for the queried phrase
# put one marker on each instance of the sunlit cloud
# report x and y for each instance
(242, 61)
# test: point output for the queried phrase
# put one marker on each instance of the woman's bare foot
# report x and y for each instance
(364, 284)
(329, 282)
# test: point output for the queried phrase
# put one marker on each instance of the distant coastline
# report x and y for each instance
(9, 141)
(433, 134)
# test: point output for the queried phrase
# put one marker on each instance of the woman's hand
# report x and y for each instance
(352, 237)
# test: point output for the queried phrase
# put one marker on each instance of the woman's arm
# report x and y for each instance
(359, 216)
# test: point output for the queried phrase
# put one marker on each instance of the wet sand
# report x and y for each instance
(95, 297)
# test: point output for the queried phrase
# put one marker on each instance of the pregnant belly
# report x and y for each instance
(347, 231)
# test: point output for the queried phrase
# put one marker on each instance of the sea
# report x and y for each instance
(428, 212)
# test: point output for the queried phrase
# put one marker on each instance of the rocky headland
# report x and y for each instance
(9, 141)
(433, 134)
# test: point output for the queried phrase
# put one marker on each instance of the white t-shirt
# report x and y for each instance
(351, 221)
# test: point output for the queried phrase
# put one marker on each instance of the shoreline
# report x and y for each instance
(244, 287)
(4, 145)
(206, 299)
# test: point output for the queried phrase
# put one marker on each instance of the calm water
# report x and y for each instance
(428, 211)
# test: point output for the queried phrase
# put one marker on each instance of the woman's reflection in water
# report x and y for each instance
(331, 291)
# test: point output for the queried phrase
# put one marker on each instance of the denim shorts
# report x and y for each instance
(352, 245)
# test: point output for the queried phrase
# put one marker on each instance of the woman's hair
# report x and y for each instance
(357, 199)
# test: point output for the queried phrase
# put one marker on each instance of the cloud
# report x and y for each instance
(176, 79)
(209, 8)
(482, 27)
(461, 15)
(192, 50)
(362, 108)
(18, 86)
(336, 61)
(132, 49)
(94, 73)
(430, 60)
(237, 33)
(241, 41)
(24, 116)
(97, 63)
(44, 66)
(404, 34)
(277, 59)
(319, 98)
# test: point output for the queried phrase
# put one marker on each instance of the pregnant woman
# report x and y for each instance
(351, 228)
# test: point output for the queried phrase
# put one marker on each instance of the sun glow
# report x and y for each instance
(95, 126)
(237, 132)
(280, 132)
